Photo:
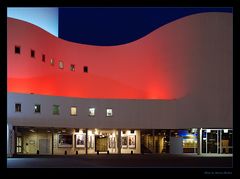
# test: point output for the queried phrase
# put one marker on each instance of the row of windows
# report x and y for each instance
(56, 110)
(60, 63)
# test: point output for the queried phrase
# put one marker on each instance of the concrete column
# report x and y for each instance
(86, 141)
(119, 145)
(176, 146)
(10, 140)
(153, 134)
(52, 141)
(14, 142)
(199, 141)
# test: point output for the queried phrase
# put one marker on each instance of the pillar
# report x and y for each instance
(119, 141)
(10, 140)
(14, 142)
(52, 141)
(153, 134)
(86, 141)
(199, 141)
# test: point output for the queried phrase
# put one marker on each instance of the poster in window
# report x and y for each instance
(111, 142)
(124, 142)
(132, 141)
(65, 140)
(80, 140)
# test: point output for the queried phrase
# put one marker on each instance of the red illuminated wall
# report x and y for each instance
(156, 66)
(190, 59)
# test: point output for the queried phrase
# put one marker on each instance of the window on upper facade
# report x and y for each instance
(91, 111)
(17, 50)
(37, 108)
(52, 61)
(85, 69)
(43, 58)
(72, 67)
(56, 109)
(109, 112)
(73, 111)
(32, 53)
(18, 107)
(61, 66)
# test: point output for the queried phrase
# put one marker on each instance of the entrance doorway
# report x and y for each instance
(217, 141)
(44, 146)
(101, 143)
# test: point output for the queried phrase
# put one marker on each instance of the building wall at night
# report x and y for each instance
(179, 76)
(135, 114)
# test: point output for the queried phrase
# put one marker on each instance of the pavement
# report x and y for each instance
(122, 161)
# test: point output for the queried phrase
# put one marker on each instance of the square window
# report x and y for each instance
(109, 112)
(72, 67)
(43, 58)
(85, 69)
(91, 111)
(132, 131)
(32, 53)
(73, 111)
(17, 107)
(37, 108)
(56, 109)
(61, 66)
(52, 62)
(17, 50)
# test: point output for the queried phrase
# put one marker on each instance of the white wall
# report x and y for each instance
(128, 114)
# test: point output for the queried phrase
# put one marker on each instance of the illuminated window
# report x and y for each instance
(109, 112)
(61, 66)
(37, 108)
(56, 110)
(73, 111)
(17, 107)
(43, 58)
(17, 50)
(52, 62)
(32, 53)
(72, 67)
(85, 69)
(91, 111)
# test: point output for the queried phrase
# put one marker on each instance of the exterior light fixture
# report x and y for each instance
(32, 130)
(225, 131)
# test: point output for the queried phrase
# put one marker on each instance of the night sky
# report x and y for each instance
(115, 26)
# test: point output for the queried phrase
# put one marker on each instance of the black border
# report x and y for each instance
(109, 3)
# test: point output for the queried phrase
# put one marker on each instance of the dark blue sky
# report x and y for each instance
(114, 26)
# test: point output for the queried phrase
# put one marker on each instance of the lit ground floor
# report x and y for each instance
(81, 141)
(125, 161)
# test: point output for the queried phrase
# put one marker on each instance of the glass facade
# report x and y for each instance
(57, 141)
(217, 141)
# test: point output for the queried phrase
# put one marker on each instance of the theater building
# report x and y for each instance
(167, 92)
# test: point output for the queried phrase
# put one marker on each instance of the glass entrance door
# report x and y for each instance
(212, 141)
(216, 141)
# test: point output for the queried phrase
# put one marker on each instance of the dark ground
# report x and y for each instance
(121, 161)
